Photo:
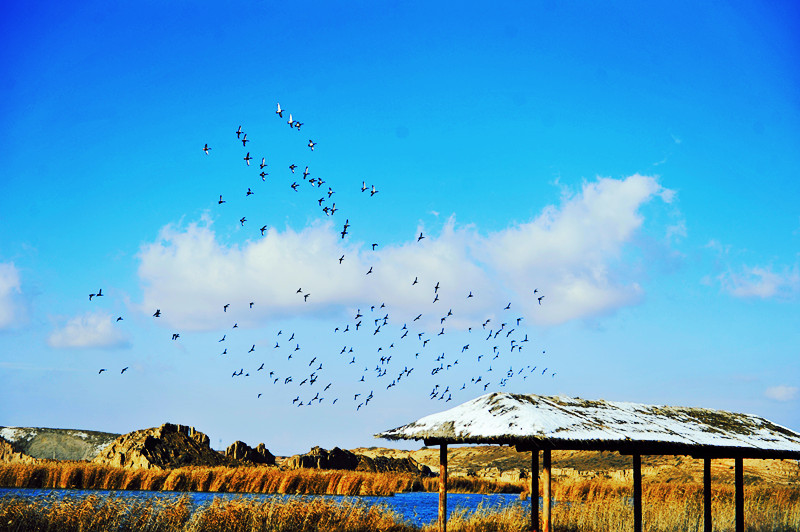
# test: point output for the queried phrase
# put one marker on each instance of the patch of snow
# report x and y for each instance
(14, 434)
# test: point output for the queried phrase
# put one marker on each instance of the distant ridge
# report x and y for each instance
(57, 444)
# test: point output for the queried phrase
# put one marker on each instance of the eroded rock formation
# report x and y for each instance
(163, 447)
(242, 452)
(336, 458)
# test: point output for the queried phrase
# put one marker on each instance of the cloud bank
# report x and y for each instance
(577, 254)
(91, 330)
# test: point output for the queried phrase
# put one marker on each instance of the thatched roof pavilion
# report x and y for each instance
(534, 423)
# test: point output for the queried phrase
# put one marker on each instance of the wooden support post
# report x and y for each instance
(548, 502)
(739, 494)
(706, 494)
(443, 487)
(637, 493)
(535, 490)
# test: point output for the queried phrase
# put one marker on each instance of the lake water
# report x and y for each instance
(418, 508)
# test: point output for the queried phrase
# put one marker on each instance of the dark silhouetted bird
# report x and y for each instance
(206, 148)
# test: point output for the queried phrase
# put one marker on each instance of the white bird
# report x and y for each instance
(290, 121)
(311, 144)
(279, 112)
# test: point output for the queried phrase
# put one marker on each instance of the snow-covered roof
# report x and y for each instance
(539, 422)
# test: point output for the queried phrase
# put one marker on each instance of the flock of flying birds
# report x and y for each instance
(389, 352)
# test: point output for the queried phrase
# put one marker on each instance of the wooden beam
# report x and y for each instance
(535, 491)
(739, 495)
(548, 501)
(443, 487)
(637, 493)
(706, 494)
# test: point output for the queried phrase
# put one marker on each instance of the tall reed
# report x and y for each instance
(84, 475)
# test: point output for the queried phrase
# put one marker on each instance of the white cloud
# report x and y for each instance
(761, 282)
(782, 393)
(574, 253)
(93, 329)
(11, 308)
(571, 252)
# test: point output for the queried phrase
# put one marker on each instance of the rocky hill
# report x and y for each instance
(162, 447)
(56, 444)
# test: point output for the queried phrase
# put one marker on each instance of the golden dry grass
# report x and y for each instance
(85, 475)
(590, 505)
(94, 513)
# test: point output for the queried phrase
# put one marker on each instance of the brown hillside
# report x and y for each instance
(505, 463)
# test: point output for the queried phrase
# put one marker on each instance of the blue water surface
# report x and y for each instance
(417, 508)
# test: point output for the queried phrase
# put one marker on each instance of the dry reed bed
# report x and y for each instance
(84, 475)
(94, 513)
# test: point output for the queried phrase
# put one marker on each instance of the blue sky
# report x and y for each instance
(636, 165)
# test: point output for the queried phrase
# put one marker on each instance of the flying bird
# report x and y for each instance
(221, 201)
(239, 132)
(101, 371)
(206, 148)
(311, 144)
(123, 370)
(279, 112)
(420, 237)
(157, 313)
(247, 158)
(263, 163)
(245, 140)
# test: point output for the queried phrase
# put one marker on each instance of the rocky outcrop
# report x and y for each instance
(242, 452)
(164, 447)
(319, 458)
(336, 458)
(10, 455)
